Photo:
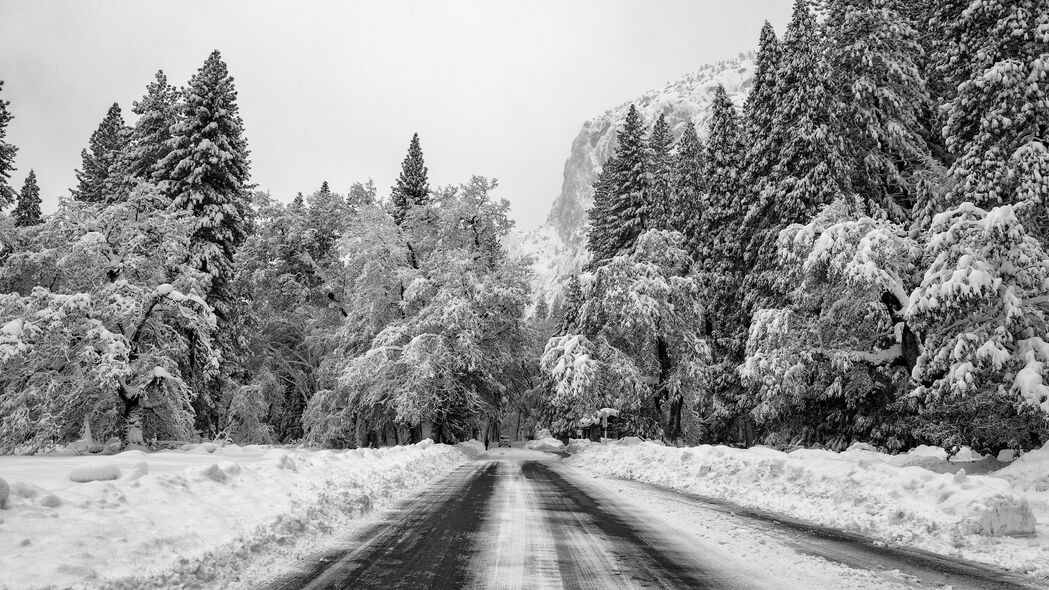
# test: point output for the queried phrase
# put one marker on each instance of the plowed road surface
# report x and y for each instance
(521, 520)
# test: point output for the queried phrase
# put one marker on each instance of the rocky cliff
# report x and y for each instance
(558, 247)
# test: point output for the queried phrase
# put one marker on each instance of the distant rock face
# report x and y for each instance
(558, 247)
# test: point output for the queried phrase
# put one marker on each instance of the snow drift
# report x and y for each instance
(857, 490)
(187, 518)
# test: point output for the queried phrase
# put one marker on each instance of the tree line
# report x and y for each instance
(857, 254)
(166, 298)
(860, 254)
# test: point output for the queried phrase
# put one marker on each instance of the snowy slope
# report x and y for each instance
(558, 247)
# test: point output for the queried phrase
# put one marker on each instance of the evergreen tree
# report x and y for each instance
(28, 210)
(7, 155)
(658, 170)
(207, 173)
(412, 188)
(998, 124)
(621, 211)
(298, 203)
(875, 55)
(151, 136)
(603, 233)
(809, 168)
(761, 106)
(324, 188)
(688, 186)
(718, 255)
(716, 243)
(101, 161)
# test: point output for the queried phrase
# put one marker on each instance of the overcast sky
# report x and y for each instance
(334, 90)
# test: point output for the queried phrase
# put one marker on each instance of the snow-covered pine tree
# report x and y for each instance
(659, 176)
(718, 253)
(7, 155)
(623, 212)
(412, 188)
(206, 173)
(759, 110)
(809, 168)
(981, 309)
(602, 237)
(874, 54)
(324, 188)
(998, 124)
(688, 185)
(27, 212)
(102, 159)
(151, 136)
(715, 244)
(571, 301)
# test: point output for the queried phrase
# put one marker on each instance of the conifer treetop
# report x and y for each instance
(7, 154)
(27, 212)
(412, 188)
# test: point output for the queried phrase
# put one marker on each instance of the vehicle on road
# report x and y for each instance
(504, 441)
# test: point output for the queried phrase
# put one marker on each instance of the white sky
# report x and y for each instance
(334, 90)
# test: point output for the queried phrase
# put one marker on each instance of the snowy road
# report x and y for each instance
(518, 519)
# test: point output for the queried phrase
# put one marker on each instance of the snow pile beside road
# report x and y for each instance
(858, 490)
(1030, 475)
(187, 518)
(545, 444)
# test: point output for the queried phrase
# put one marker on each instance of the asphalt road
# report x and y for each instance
(522, 520)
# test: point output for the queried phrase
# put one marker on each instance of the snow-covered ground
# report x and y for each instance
(999, 518)
(189, 517)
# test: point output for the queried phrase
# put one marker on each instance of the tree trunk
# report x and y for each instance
(360, 432)
(133, 421)
(426, 429)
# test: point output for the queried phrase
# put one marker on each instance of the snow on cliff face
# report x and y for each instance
(559, 246)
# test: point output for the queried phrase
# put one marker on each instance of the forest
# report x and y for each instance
(859, 253)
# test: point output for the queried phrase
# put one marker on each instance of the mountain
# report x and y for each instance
(558, 247)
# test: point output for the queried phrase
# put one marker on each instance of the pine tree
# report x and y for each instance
(809, 168)
(7, 155)
(658, 173)
(151, 137)
(718, 254)
(412, 188)
(603, 233)
(998, 124)
(28, 210)
(621, 212)
(207, 173)
(102, 158)
(324, 188)
(298, 203)
(874, 54)
(761, 106)
(688, 185)
(716, 244)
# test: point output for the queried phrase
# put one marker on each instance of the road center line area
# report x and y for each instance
(516, 519)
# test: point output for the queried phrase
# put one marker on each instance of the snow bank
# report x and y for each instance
(857, 490)
(545, 444)
(185, 519)
(1030, 475)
